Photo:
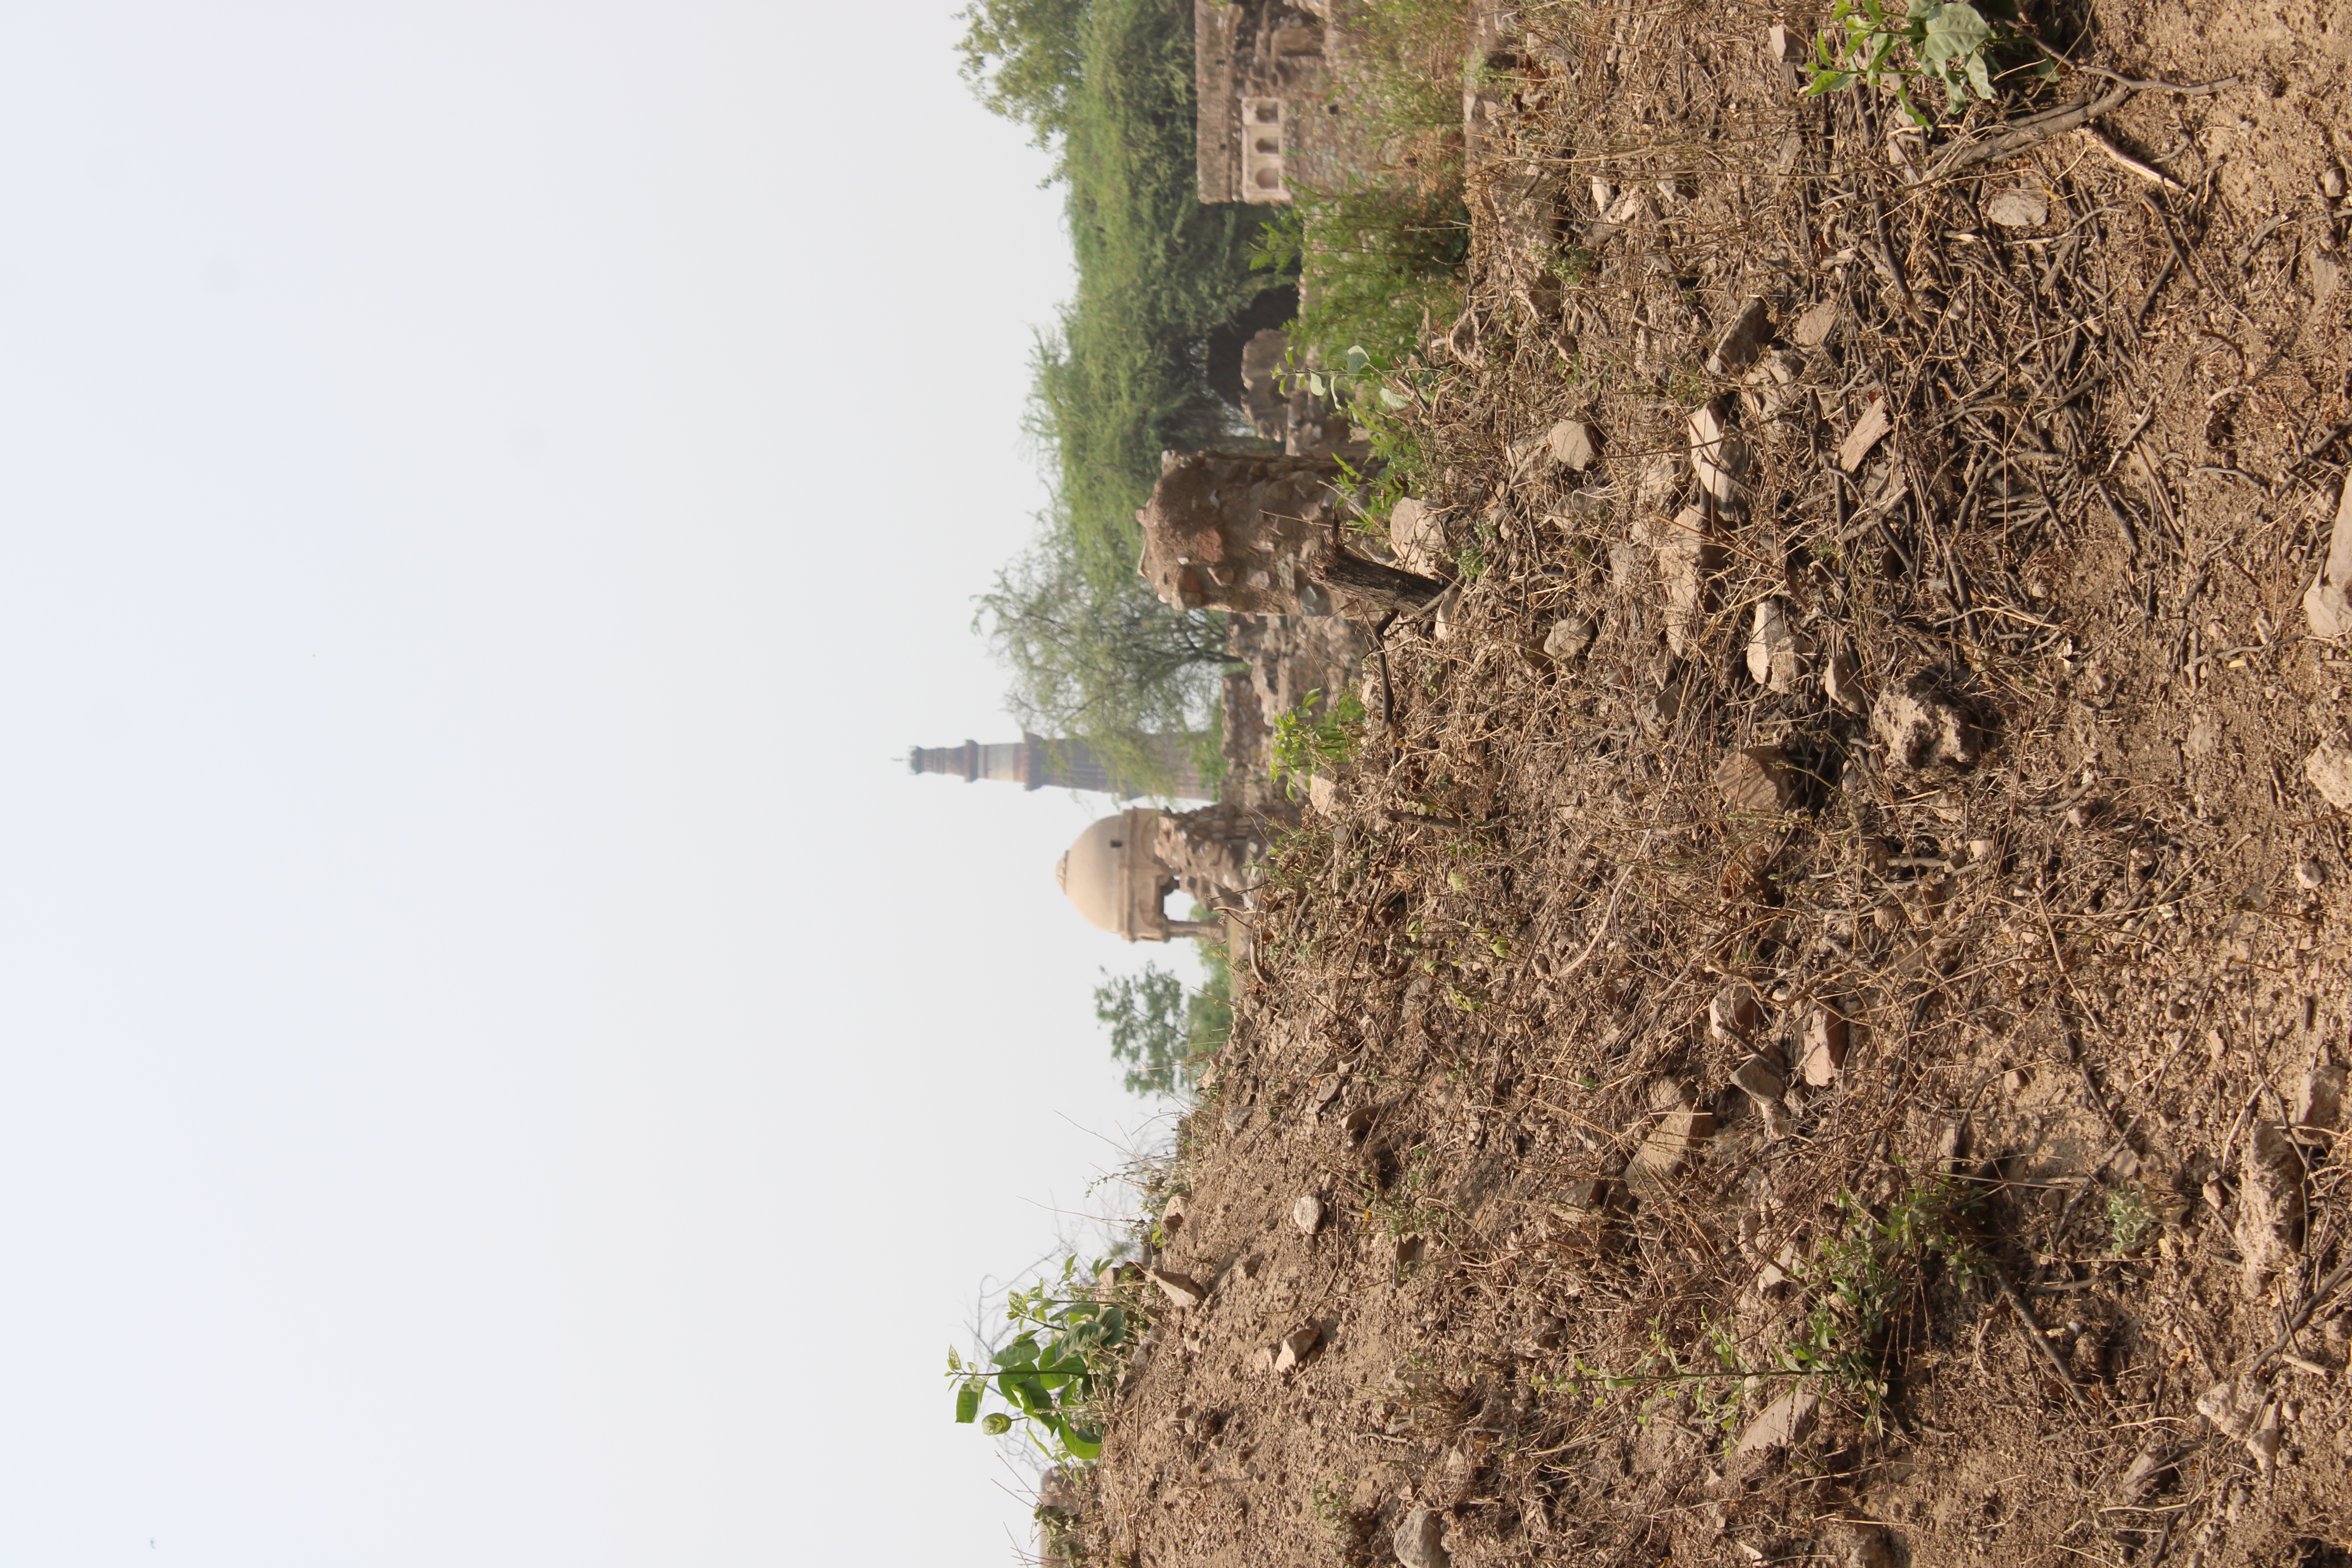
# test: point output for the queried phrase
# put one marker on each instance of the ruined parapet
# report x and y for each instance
(1213, 852)
(1225, 531)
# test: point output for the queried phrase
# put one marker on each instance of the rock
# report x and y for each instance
(1757, 781)
(1568, 638)
(1760, 1080)
(2329, 769)
(2331, 183)
(1783, 46)
(1626, 561)
(1416, 537)
(1867, 432)
(2319, 1102)
(1656, 492)
(1574, 444)
(1743, 342)
(1307, 1214)
(1775, 653)
(1689, 553)
(1786, 1420)
(1587, 1200)
(1824, 1048)
(1818, 325)
(1719, 458)
(1181, 1288)
(2325, 604)
(1323, 794)
(1327, 1089)
(2310, 876)
(1841, 683)
(1731, 1016)
(1681, 1128)
(2232, 1407)
(1659, 710)
(1772, 386)
(1920, 729)
(1172, 1219)
(2151, 1465)
(1421, 1539)
(1866, 1546)
(1238, 1118)
(2263, 1442)
(1296, 1347)
(2018, 208)
(2270, 1205)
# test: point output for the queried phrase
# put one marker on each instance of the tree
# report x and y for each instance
(1024, 60)
(1159, 1029)
(1095, 655)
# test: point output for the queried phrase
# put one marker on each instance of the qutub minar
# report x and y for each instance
(1035, 762)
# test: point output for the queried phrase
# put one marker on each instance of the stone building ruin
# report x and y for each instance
(1264, 129)
(1115, 875)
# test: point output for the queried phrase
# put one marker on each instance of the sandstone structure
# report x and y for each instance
(1228, 532)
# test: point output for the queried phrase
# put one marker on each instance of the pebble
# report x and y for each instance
(1568, 638)
(1420, 1541)
(1574, 444)
(1181, 1288)
(1307, 1214)
(2019, 209)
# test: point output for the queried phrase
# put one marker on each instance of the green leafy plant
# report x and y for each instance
(1052, 1374)
(1951, 44)
(1305, 741)
(2130, 1218)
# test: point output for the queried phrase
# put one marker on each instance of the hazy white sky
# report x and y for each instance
(501, 1065)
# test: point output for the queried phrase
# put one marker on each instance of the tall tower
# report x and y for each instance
(1034, 762)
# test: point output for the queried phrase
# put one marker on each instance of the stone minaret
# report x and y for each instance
(1035, 762)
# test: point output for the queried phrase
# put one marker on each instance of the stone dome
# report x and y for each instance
(1096, 872)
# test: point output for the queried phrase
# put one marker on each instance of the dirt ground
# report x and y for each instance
(1811, 1026)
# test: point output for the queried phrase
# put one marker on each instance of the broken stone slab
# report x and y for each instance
(1574, 444)
(1420, 1541)
(1307, 1214)
(1588, 1200)
(1818, 325)
(1742, 343)
(2270, 1206)
(1775, 651)
(1416, 536)
(1296, 1347)
(1719, 458)
(1757, 781)
(1919, 729)
(1786, 1422)
(1181, 1288)
(2018, 208)
(1867, 432)
(1568, 638)
(1825, 1055)
(1681, 1128)
(2329, 769)
(2327, 604)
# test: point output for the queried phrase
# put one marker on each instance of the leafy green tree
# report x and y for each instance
(1024, 60)
(1159, 1029)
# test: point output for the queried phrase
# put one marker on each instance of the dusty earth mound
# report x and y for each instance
(1813, 1030)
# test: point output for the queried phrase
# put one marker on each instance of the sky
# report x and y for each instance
(499, 1062)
